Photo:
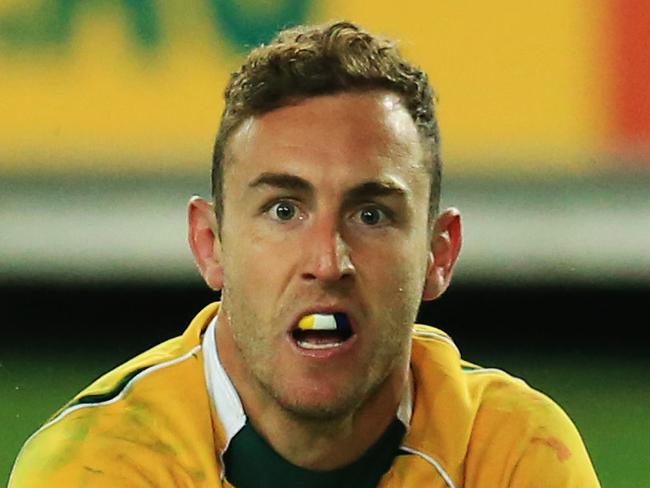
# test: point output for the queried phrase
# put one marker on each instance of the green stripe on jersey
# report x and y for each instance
(110, 394)
(470, 367)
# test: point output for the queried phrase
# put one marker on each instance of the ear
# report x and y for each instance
(204, 241)
(446, 242)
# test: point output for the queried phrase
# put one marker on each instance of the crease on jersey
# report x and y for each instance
(114, 399)
(431, 334)
(479, 370)
(474, 370)
(441, 471)
(465, 366)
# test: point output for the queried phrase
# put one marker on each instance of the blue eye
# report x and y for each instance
(283, 211)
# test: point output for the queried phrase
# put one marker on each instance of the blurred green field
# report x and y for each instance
(608, 398)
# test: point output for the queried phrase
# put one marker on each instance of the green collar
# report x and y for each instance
(252, 463)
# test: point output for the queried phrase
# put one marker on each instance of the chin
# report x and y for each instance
(320, 412)
(318, 403)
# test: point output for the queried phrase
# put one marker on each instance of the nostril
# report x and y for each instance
(308, 276)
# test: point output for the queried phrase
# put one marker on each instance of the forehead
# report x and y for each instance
(351, 131)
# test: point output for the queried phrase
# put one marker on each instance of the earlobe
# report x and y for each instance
(446, 243)
(204, 241)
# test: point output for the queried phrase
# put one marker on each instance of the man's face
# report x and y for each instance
(325, 210)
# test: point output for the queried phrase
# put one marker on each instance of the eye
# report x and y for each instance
(283, 210)
(372, 216)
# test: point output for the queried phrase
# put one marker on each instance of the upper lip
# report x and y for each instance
(323, 309)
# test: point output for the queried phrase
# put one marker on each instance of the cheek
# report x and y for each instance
(252, 244)
(244, 275)
(243, 250)
(392, 262)
(254, 273)
(402, 281)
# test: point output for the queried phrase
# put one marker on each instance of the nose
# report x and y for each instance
(328, 254)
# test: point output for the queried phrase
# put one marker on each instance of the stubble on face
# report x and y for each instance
(258, 324)
(254, 337)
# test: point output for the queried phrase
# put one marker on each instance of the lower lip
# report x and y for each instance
(327, 353)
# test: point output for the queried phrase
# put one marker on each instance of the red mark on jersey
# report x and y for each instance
(561, 450)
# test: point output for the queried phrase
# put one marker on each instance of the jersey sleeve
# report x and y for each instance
(73, 453)
(54, 457)
(554, 455)
(523, 439)
(136, 440)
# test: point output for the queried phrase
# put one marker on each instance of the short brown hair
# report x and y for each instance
(316, 60)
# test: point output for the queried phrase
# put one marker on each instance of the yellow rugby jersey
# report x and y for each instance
(164, 419)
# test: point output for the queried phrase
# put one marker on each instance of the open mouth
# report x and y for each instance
(322, 331)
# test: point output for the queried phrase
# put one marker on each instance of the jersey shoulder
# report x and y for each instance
(148, 419)
(520, 436)
(488, 427)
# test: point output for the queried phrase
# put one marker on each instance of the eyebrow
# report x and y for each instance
(367, 190)
(374, 189)
(283, 181)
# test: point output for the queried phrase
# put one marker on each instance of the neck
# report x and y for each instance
(326, 445)
(313, 443)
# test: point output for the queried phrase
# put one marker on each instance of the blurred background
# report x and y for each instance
(108, 110)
